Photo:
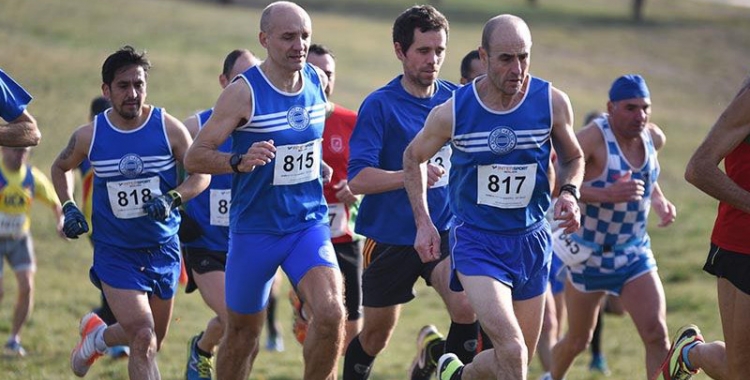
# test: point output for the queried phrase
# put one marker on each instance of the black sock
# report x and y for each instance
(201, 352)
(462, 340)
(437, 350)
(271, 316)
(596, 339)
(357, 364)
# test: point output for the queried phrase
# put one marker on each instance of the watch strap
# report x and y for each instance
(235, 161)
(572, 189)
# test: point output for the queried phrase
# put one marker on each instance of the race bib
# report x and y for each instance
(568, 250)
(219, 202)
(127, 197)
(297, 163)
(11, 224)
(443, 159)
(506, 186)
(337, 219)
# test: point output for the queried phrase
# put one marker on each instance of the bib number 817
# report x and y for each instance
(494, 183)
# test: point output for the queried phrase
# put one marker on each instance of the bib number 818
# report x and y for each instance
(123, 198)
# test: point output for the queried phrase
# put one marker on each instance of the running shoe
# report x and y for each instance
(85, 352)
(299, 322)
(674, 366)
(599, 364)
(450, 367)
(274, 343)
(14, 349)
(423, 365)
(118, 352)
(198, 367)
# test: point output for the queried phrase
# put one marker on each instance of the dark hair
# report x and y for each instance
(319, 49)
(124, 57)
(466, 62)
(424, 17)
(99, 105)
(231, 59)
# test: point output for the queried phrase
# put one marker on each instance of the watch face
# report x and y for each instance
(234, 161)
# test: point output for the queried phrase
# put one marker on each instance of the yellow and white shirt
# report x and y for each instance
(17, 191)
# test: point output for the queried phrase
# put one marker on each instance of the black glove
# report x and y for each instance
(75, 223)
(159, 208)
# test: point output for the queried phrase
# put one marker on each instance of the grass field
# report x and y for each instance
(694, 56)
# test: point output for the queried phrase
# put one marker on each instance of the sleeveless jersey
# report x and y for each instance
(130, 168)
(338, 129)
(610, 224)
(286, 194)
(17, 191)
(501, 159)
(387, 122)
(731, 227)
(211, 207)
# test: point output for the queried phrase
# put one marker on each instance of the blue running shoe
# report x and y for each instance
(14, 349)
(275, 343)
(599, 364)
(118, 352)
(199, 367)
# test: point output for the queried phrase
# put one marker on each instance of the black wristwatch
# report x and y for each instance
(572, 189)
(234, 162)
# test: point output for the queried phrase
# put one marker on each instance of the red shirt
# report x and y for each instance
(338, 130)
(732, 225)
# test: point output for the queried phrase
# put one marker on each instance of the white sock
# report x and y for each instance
(99, 342)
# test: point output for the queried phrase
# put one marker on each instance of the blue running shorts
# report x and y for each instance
(610, 268)
(153, 270)
(556, 281)
(253, 259)
(520, 261)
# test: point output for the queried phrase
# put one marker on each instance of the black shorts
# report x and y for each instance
(390, 272)
(201, 261)
(733, 266)
(349, 256)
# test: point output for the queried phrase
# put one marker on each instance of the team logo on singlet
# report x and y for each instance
(326, 251)
(131, 165)
(298, 118)
(501, 140)
(337, 143)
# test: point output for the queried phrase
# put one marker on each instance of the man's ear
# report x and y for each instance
(400, 54)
